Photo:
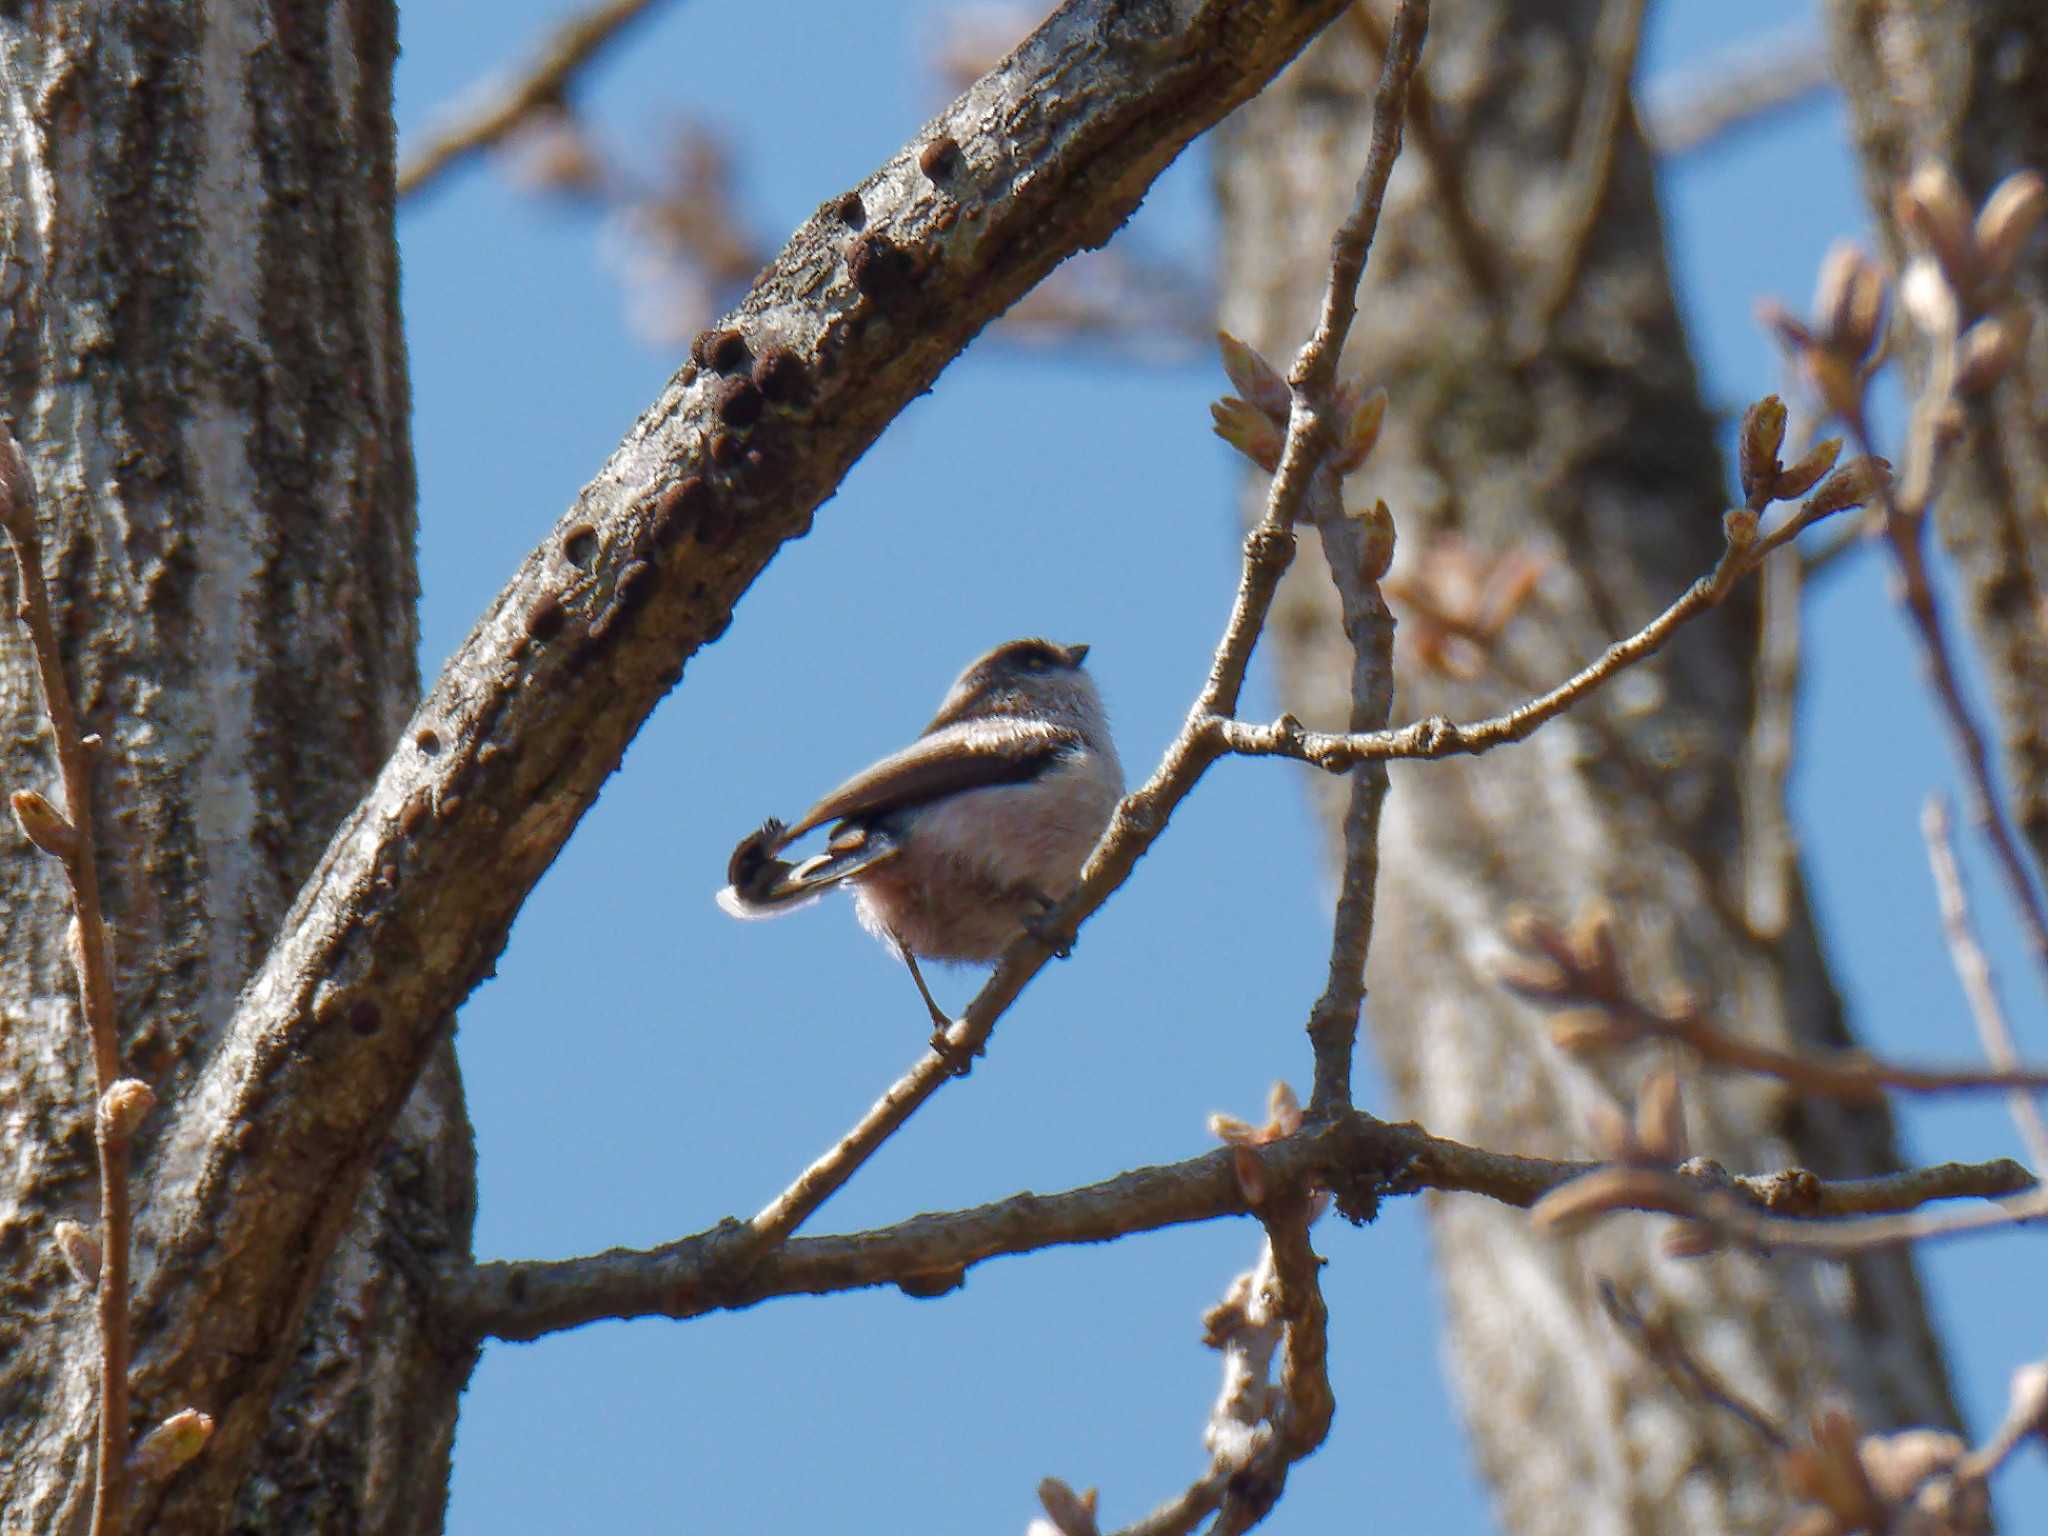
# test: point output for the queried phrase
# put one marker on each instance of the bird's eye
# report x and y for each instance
(1034, 663)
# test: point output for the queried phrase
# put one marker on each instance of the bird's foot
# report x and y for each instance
(958, 1059)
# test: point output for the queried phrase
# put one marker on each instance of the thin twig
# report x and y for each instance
(90, 959)
(1834, 1075)
(1369, 626)
(1436, 737)
(1309, 1403)
(1315, 370)
(1905, 527)
(1143, 815)
(510, 103)
(1353, 1153)
(1732, 1214)
(1578, 969)
(1973, 970)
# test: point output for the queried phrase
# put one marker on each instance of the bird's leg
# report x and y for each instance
(1042, 927)
(941, 1022)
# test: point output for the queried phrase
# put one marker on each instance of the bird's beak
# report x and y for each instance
(1076, 654)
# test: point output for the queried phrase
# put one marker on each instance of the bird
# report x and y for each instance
(969, 836)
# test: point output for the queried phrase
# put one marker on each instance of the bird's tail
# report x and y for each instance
(763, 885)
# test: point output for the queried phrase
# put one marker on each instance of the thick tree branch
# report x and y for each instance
(1363, 1158)
(412, 901)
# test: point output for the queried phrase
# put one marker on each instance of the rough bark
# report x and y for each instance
(1519, 311)
(1967, 84)
(203, 357)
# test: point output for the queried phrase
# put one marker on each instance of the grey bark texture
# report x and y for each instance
(203, 357)
(1967, 85)
(1518, 309)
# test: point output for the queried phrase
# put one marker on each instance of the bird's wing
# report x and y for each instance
(974, 754)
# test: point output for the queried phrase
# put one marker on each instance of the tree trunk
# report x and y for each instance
(1967, 85)
(1518, 309)
(204, 360)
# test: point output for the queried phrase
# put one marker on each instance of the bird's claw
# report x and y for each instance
(1044, 927)
(959, 1061)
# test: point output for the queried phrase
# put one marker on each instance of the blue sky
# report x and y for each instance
(642, 1066)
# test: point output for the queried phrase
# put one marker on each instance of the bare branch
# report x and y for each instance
(1951, 293)
(1437, 737)
(1568, 968)
(509, 104)
(1315, 370)
(1333, 1022)
(1258, 1426)
(1729, 1211)
(1357, 551)
(1974, 971)
(1905, 526)
(68, 835)
(1354, 1155)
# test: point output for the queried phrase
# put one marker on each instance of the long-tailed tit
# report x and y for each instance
(957, 843)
